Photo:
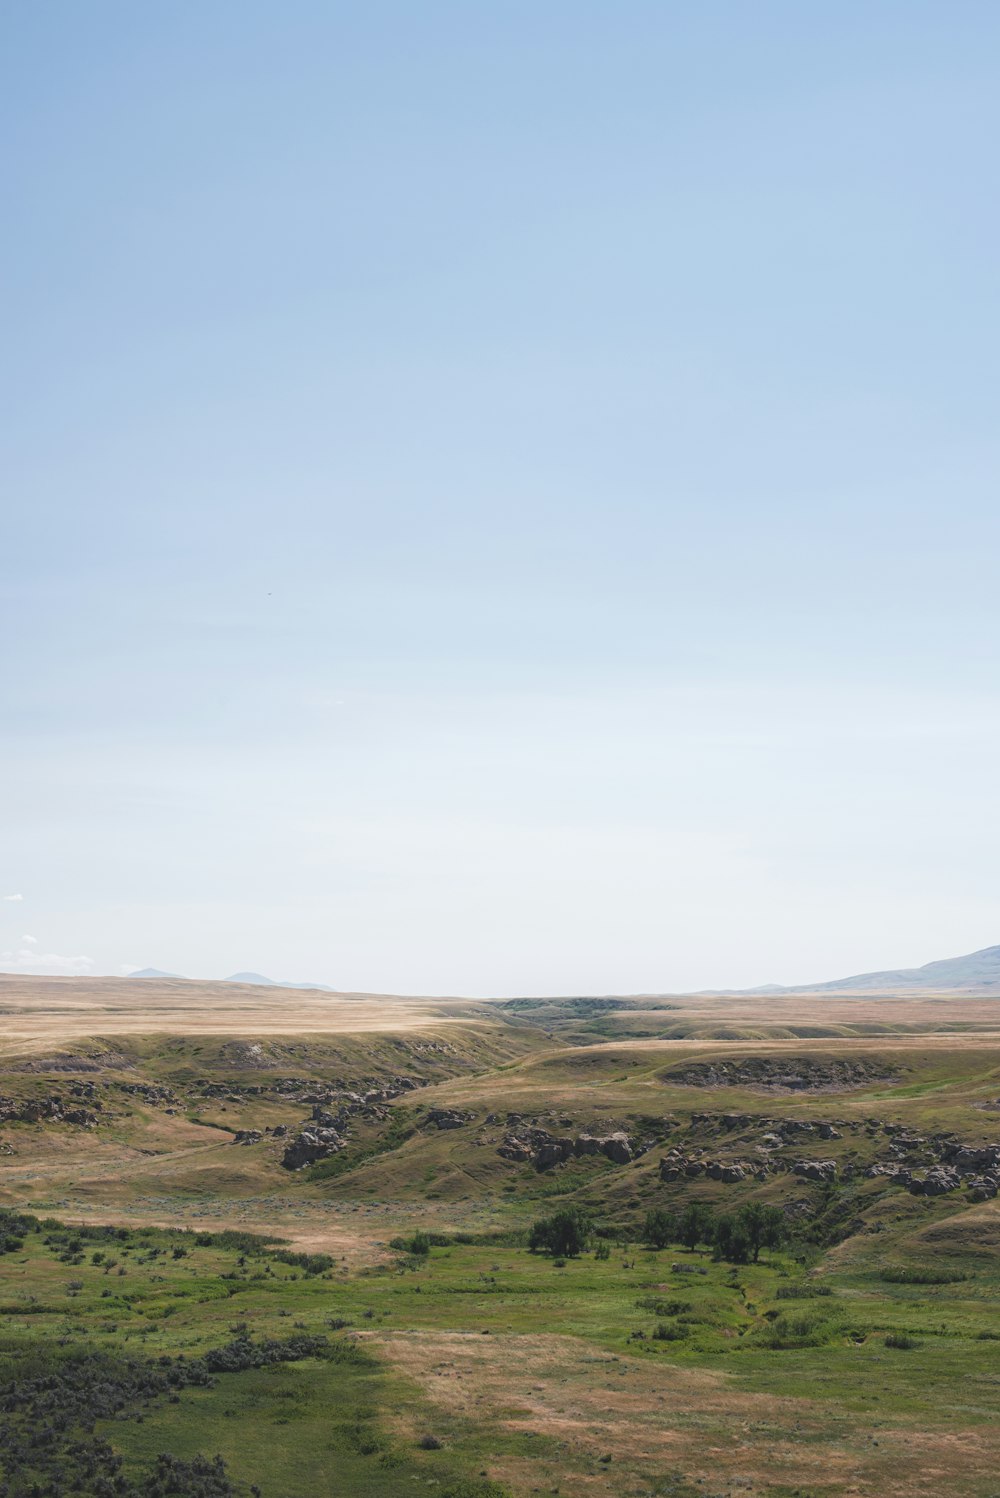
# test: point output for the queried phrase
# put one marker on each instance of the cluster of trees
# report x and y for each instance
(737, 1237)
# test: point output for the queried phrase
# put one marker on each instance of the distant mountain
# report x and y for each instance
(152, 972)
(978, 972)
(261, 982)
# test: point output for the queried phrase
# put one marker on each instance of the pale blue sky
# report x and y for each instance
(500, 497)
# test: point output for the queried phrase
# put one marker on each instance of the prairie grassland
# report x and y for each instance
(861, 1359)
(45, 1013)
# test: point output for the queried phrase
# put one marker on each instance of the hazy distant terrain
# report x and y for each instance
(974, 973)
(977, 972)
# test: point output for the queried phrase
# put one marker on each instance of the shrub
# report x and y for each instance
(471, 1488)
(421, 1243)
(563, 1235)
(902, 1274)
(310, 1263)
(801, 1292)
(901, 1341)
(800, 1330)
(663, 1307)
(667, 1331)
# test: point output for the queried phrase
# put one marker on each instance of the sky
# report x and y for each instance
(499, 498)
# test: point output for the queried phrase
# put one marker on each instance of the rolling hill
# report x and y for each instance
(976, 972)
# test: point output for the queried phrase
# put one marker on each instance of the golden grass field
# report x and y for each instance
(39, 1013)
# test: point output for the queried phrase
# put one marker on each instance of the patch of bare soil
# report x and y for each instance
(609, 1425)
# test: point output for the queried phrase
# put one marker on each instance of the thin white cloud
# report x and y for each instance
(27, 961)
(32, 941)
(13, 897)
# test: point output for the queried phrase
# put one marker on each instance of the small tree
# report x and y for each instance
(658, 1229)
(764, 1226)
(564, 1235)
(695, 1225)
(732, 1242)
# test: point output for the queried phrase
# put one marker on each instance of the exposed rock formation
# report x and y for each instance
(449, 1118)
(780, 1074)
(46, 1110)
(936, 1182)
(546, 1150)
(310, 1145)
(815, 1170)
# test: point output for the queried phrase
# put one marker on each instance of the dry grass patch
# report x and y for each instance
(572, 1417)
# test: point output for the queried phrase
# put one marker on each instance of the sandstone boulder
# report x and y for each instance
(449, 1118)
(309, 1146)
(936, 1182)
(815, 1170)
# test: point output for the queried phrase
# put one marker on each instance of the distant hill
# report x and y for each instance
(977, 972)
(260, 981)
(153, 972)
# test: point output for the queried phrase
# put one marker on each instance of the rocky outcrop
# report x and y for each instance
(247, 1136)
(675, 1166)
(247, 1055)
(64, 1061)
(545, 1150)
(147, 1092)
(616, 1147)
(781, 1074)
(718, 1170)
(967, 1157)
(815, 1170)
(552, 1152)
(46, 1110)
(936, 1182)
(449, 1118)
(892, 1172)
(515, 1149)
(310, 1145)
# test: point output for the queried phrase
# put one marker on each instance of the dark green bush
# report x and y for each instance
(903, 1274)
(563, 1235)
